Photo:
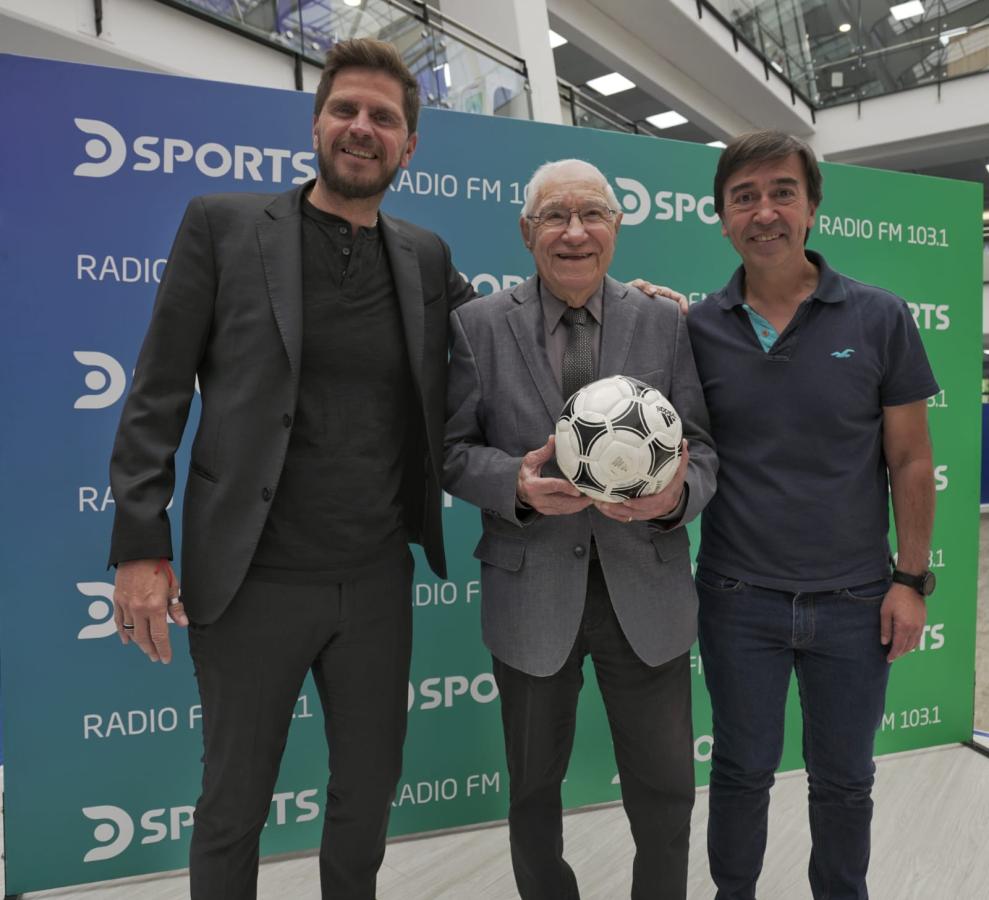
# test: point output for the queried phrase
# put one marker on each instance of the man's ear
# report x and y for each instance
(410, 148)
(525, 226)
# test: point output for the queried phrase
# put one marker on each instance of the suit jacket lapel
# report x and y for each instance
(407, 277)
(280, 245)
(526, 323)
(618, 328)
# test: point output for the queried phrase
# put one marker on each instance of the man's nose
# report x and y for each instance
(361, 123)
(766, 211)
(575, 227)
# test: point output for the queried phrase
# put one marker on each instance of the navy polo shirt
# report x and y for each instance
(803, 498)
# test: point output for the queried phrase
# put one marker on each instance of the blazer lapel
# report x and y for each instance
(407, 277)
(618, 329)
(280, 245)
(526, 323)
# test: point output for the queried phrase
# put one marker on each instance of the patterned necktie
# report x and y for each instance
(578, 360)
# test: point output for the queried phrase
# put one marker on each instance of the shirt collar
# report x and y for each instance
(554, 308)
(327, 218)
(829, 287)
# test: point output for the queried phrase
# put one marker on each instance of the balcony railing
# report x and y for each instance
(833, 53)
(826, 53)
(456, 67)
(585, 111)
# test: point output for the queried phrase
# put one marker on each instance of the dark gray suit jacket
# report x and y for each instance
(503, 400)
(229, 310)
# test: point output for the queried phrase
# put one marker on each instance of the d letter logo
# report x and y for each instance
(107, 148)
(115, 832)
(106, 380)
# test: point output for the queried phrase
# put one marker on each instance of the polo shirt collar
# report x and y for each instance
(829, 285)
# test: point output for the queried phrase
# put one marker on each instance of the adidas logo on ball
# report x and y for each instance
(618, 438)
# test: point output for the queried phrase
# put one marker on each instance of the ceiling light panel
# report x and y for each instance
(556, 40)
(907, 10)
(607, 85)
(669, 119)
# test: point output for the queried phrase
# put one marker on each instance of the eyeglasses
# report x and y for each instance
(556, 218)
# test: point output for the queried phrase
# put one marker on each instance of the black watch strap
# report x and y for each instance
(923, 583)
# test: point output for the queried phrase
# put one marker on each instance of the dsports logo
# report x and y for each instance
(109, 152)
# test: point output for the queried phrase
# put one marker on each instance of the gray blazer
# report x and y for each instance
(229, 310)
(502, 402)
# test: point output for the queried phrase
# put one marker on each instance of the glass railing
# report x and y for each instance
(583, 110)
(833, 53)
(456, 67)
(826, 53)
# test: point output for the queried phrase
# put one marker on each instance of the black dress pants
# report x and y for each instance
(649, 714)
(250, 664)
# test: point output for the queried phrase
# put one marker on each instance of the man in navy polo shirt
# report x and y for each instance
(817, 388)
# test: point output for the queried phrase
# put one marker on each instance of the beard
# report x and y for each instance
(351, 188)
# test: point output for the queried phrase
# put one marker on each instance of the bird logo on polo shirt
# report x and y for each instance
(843, 354)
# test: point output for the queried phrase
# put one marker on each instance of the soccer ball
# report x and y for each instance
(618, 438)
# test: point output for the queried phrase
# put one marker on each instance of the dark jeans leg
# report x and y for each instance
(751, 638)
(842, 673)
(650, 717)
(746, 645)
(250, 665)
(539, 718)
(362, 675)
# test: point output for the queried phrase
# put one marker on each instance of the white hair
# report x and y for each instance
(548, 169)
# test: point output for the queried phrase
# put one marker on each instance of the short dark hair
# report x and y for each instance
(764, 146)
(367, 53)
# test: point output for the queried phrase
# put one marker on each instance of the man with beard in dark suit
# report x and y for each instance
(298, 312)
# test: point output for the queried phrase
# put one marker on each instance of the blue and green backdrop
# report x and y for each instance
(96, 167)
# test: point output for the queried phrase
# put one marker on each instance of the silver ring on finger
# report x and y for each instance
(128, 627)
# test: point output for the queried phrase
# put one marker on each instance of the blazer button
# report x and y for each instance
(579, 551)
(287, 420)
(266, 494)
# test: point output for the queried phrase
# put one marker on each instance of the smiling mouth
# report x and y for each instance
(765, 238)
(577, 256)
(360, 154)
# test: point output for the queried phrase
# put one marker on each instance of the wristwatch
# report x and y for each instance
(923, 583)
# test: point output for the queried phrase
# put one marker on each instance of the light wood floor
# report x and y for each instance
(930, 842)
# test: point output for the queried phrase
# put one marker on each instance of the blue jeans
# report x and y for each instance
(751, 639)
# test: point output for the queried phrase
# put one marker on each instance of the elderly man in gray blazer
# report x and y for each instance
(563, 577)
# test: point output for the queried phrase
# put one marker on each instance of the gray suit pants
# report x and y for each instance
(649, 713)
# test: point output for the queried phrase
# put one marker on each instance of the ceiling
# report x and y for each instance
(577, 67)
